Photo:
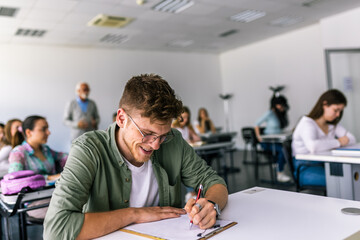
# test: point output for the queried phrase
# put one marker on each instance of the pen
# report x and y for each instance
(197, 198)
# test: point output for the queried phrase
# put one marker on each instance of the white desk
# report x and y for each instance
(218, 148)
(14, 204)
(276, 138)
(280, 215)
(341, 181)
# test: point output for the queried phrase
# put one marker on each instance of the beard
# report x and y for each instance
(135, 151)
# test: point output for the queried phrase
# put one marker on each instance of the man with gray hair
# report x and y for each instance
(81, 114)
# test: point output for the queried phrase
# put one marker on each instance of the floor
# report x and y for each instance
(237, 181)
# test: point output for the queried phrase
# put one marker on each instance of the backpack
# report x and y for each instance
(25, 179)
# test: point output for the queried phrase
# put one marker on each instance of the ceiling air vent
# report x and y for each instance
(102, 20)
(173, 6)
(8, 12)
(114, 38)
(30, 32)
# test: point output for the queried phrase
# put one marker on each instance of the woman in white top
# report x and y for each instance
(184, 126)
(204, 123)
(320, 130)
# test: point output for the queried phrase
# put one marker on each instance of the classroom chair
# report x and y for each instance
(252, 146)
(305, 175)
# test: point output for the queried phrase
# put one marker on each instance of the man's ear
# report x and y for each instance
(121, 117)
(325, 103)
(28, 133)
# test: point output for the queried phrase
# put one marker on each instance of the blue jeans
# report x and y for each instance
(278, 147)
(314, 174)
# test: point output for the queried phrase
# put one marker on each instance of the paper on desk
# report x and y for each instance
(174, 228)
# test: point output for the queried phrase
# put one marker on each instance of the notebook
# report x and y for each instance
(176, 229)
(353, 150)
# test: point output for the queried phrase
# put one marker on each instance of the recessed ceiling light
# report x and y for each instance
(173, 6)
(286, 21)
(30, 32)
(248, 16)
(180, 43)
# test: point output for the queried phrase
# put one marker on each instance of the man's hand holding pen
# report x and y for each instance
(201, 212)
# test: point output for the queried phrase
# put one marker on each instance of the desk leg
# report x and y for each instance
(6, 228)
(22, 226)
(356, 181)
(339, 184)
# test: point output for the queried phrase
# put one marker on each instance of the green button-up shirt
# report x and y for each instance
(96, 179)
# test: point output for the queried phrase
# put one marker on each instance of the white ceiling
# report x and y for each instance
(66, 22)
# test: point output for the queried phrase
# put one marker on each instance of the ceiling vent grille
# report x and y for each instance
(248, 16)
(114, 38)
(8, 12)
(228, 33)
(286, 21)
(173, 6)
(102, 20)
(30, 32)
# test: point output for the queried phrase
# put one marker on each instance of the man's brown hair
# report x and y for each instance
(153, 96)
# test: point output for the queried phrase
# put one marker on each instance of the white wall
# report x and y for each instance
(295, 59)
(341, 30)
(40, 80)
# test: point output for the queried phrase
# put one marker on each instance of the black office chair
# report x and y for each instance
(250, 139)
(296, 173)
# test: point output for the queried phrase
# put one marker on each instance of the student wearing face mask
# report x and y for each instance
(81, 114)
(320, 131)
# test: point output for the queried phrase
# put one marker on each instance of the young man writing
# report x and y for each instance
(109, 182)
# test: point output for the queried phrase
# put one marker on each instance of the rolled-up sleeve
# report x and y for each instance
(64, 218)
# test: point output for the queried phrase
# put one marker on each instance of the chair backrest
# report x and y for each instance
(249, 136)
(289, 159)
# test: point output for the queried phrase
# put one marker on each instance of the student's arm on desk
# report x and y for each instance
(100, 224)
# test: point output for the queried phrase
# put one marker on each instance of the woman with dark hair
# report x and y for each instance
(34, 154)
(183, 124)
(320, 130)
(204, 123)
(276, 120)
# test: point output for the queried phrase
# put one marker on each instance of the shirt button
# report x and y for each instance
(126, 201)
(126, 179)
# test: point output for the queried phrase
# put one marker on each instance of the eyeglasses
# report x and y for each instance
(150, 138)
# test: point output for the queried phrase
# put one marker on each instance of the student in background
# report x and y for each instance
(81, 114)
(204, 123)
(34, 154)
(276, 120)
(320, 130)
(12, 137)
(183, 124)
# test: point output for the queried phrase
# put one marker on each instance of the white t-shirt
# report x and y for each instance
(144, 186)
(308, 137)
(185, 133)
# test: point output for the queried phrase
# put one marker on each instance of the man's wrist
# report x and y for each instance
(216, 208)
